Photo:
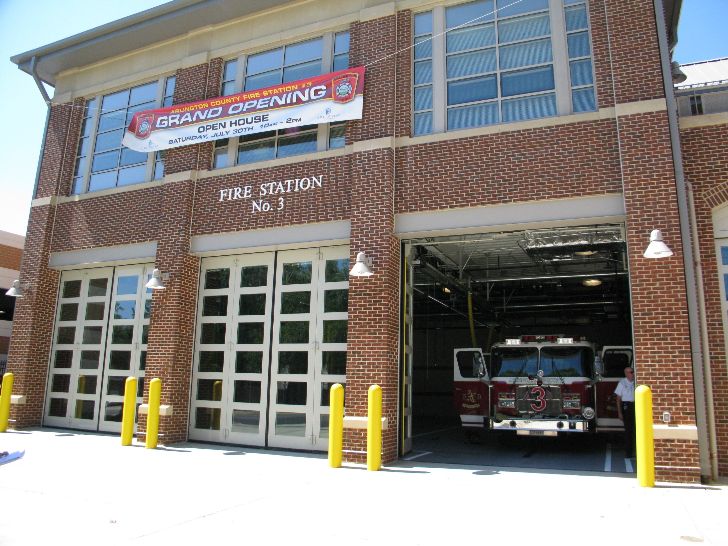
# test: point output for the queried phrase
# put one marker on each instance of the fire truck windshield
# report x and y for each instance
(514, 361)
(566, 361)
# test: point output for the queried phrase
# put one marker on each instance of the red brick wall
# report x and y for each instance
(705, 160)
(10, 257)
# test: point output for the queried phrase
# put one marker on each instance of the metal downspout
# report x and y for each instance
(687, 246)
(45, 130)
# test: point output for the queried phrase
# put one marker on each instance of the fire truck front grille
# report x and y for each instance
(543, 400)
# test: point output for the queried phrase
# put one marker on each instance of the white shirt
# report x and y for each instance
(625, 390)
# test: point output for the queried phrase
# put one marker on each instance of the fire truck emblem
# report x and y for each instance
(471, 400)
(144, 125)
(345, 87)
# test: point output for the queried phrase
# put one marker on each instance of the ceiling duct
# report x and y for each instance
(569, 245)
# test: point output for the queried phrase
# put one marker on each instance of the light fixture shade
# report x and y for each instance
(591, 282)
(155, 283)
(362, 266)
(657, 248)
(15, 291)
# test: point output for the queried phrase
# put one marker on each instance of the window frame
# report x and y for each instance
(154, 159)
(560, 62)
(324, 131)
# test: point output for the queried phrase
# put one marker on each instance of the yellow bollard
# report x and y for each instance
(155, 397)
(336, 425)
(127, 416)
(5, 401)
(374, 428)
(645, 437)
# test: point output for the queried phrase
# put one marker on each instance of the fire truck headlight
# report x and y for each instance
(588, 413)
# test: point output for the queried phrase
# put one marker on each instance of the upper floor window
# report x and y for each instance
(285, 64)
(101, 161)
(488, 62)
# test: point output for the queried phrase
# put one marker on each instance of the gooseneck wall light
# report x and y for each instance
(362, 267)
(657, 248)
(155, 283)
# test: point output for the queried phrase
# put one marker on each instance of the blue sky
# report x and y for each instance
(25, 25)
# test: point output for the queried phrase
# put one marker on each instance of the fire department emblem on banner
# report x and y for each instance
(345, 87)
(144, 126)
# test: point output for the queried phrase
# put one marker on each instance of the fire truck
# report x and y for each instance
(533, 385)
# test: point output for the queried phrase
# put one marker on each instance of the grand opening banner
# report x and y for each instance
(338, 96)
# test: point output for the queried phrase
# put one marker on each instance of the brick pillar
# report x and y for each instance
(171, 330)
(374, 301)
(30, 343)
(659, 302)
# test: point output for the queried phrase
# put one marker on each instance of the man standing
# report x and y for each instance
(625, 409)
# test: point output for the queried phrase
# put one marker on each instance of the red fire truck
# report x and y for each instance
(533, 385)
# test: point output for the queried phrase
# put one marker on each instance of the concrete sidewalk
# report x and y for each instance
(76, 488)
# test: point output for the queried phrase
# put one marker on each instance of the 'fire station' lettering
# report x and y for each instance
(270, 189)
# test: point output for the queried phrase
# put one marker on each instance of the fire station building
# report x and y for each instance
(510, 161)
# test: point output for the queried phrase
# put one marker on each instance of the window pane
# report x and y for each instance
(297, 273)
(508, 7)
(291, 424)
(529, 108)
(132, 175)
(578, 45)
(336, 301)
(301, 71)
(300, 144)
(341, 62)
(423, 124)
(335, 331)
(114, 410)
(69, 311)
(86, 384)
(130, 157)
(576, 18)
(102, 181)
(83, 147)
(115, 101)
(211, 361)
(92, 335)
(104, 162)
(217, 278)
(469, 14)
(213, 334)
(333, 362)
(295, 302)
(115, 386)
(246, 421)
(77, 185)
(231, 69)
(583, 100)
(471, 90)
(337, 136)
(252, 304)
(60, 382)
(528, 54)
(214, 306)
(122, 335)
(63, 359)
(109, 141)
(169, 87)
(207, 418)
(292, 393)
(127, 285)
(249, 362)
(523, 28)
(120, 360)
(58, 407)
(209, 389)
(293, 362)
(341, 42)
(143, 93)
(470, 38)
(256, 151)
(250, 333)
(581, 72)
(71, 289)
(337, 270)
(263, 80)
(423, 72)
(228, 88)
(527, 81)
(254, 275)
(124, 309)
(304, 51)
(95, 311)
(84, 409)
(90, 360)
(294, 332)
(97, 287)
(267, 60)
(472, 116)
(423, 48)
(221, 155)
(247, 392)
(468, 64)
(111, 121)
(723, 255)
(423, 23)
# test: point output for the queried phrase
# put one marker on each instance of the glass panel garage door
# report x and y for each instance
(271, 339)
